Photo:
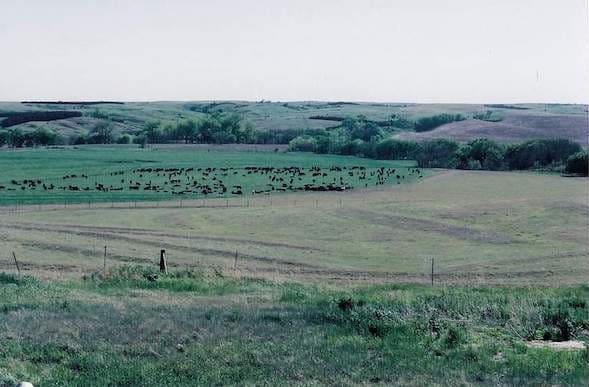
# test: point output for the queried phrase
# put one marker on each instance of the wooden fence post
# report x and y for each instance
(104, 263)
(163, 262)
(432, 271)
(16, 262)
(235, 261)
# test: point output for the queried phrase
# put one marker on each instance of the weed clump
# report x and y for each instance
(14, 279)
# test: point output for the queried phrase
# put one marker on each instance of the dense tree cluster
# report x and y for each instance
(442, 153)
(356, 136)
(212, 129)
(425, 124)
(18, 138)
(17, 118)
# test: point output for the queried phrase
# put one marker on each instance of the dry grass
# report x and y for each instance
(481, 227)
(514, 128)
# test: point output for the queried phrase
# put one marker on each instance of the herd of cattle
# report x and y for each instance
(222, 181)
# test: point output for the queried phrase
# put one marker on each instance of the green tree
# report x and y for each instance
(206, 129)
(4, 138)
(186, 131)
(486, 152)
(44, 136)
(437, 154)
(102, 132)
(153, 132)
(392, 149)
(124, 139)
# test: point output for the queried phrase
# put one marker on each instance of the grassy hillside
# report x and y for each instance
(510, 123)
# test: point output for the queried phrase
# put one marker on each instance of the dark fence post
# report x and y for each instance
(163, 262)
(16, 262)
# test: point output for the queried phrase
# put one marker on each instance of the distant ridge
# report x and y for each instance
(72, 102)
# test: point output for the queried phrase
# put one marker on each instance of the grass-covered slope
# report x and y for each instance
(523, 122)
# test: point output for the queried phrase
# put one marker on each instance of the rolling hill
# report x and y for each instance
(509, 123)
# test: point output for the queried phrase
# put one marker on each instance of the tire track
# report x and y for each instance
(149, 232)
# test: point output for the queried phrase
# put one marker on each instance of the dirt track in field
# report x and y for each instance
(113, 232)
(415, 224)
(542, 241)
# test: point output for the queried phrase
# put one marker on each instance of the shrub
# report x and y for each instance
(124, 139)
(577, 163)
(487, 153)
(429, 123)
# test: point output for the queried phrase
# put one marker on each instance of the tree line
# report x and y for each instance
(365, 139)
(354, 136)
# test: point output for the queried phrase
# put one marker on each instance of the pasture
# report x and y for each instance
(129, 173)
(481, 227)
(291, 287)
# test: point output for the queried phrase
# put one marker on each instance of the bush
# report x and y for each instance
(44, 136)
(483, 152)
(124, 139)
(577, 164)
(429, 123)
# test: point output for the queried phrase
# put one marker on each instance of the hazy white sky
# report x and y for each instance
(364, 50)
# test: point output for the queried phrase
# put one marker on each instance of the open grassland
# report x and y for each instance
(200, 328)
(512, 128)
(129, 173)
(319, 288)
(518, 122)
(481, 227)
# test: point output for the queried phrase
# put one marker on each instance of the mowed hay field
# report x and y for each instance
(480, 227)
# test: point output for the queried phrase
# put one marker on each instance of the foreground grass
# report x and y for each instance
(130, 328)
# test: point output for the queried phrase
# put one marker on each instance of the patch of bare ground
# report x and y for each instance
(570, 345)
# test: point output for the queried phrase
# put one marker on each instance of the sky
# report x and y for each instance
(429, 51)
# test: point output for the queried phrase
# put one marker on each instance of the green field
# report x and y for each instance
(292, 288)
(199, 328)
(481, 227)
(118, 168)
